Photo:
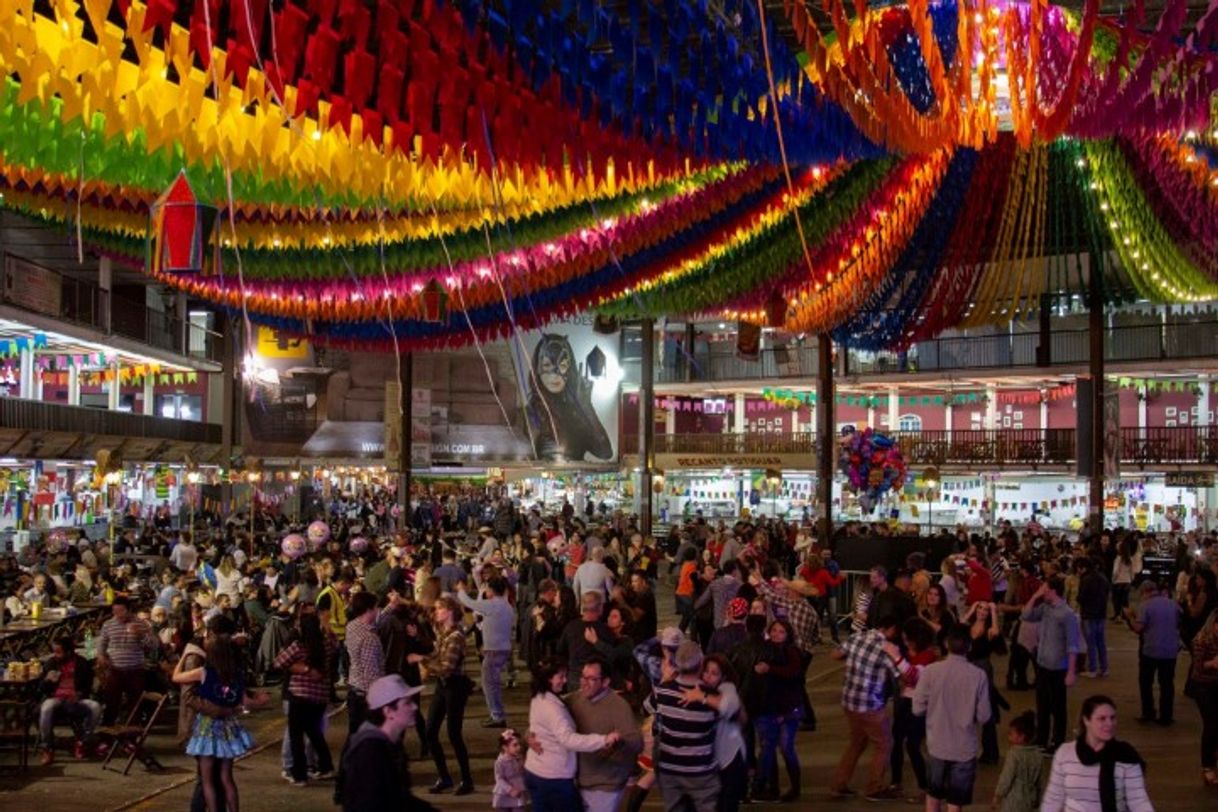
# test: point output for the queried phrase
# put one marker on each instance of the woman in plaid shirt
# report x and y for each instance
(446, 665)
(307, 661)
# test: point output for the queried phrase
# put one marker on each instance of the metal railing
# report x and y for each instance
(1138, 447)
(32, 415)
(1145, 342)
(86, 304)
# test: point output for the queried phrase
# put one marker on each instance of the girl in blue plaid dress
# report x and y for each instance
(215, 741)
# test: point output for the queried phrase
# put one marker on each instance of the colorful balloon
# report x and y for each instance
(319, 534)
(358, 545)
(294, 546)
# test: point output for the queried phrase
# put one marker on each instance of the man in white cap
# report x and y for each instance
(374, 775)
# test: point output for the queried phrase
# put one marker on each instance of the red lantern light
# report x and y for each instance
(181, 229)
(435, 302)
(776, 309)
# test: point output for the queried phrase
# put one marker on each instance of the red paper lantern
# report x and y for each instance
(435, 302)
(181, 229)
(776, 309)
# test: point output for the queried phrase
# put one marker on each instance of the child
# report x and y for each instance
(1019, 783)
(509, 773)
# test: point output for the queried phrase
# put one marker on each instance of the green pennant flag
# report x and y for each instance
(192, 377)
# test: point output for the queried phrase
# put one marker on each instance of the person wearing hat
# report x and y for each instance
(733, 632)
(374, 775)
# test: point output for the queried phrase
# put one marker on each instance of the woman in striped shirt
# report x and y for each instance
(1097, 772)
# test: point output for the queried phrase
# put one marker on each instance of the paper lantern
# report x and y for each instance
(748, 340)
(776, 309)
(294, 546)
(318, 533)
(435, 302)
(358, 545)
(182, 228)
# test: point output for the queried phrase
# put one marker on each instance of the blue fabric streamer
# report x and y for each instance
(883, 319)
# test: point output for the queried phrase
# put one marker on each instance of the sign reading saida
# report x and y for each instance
(1190, 479)
(274, 344)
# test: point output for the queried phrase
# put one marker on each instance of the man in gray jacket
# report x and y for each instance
(497, 620)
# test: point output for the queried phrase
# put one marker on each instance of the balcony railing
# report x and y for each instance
(1131, 343)
(31, 415)
(997, 448)
(85, 304)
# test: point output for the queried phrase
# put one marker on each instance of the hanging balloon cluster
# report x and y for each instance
(872, 463)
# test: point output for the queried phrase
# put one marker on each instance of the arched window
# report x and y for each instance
(910, 422)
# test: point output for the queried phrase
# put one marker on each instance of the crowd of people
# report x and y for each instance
(393, 612)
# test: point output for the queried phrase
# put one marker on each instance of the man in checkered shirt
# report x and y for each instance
(873, 661)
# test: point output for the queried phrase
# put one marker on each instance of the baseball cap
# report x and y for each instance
(737, 608)
(671, 637)
(388, 689)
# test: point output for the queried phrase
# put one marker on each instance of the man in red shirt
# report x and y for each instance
(71, 678)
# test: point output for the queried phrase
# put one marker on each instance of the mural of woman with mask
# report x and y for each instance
(565, 423)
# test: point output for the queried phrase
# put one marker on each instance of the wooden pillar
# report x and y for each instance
(230, 391)
(646, 424)
(1044, 349)
(826, 432)
(405, 434)
(691, 338)
(105, 280)
(1095, 326)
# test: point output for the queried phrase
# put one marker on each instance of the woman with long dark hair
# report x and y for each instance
(446, 666)
(1199, 602)
(307, 662)
(216, 742)
(1097, 772)
(1124, 569)
(549, 768)
(938, 613)
(1203, 688)
(780, 667)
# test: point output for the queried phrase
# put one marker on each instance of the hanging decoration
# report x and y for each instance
(872, 464)
(884, 174)
(182, 230)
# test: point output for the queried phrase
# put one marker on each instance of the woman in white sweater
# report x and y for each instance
(549, 767)
(1097, 772)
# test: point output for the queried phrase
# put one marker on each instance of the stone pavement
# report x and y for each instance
(67, 786)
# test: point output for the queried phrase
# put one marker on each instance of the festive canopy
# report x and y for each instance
(882, 172)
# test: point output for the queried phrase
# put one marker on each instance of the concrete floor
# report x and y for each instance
(67, 786)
